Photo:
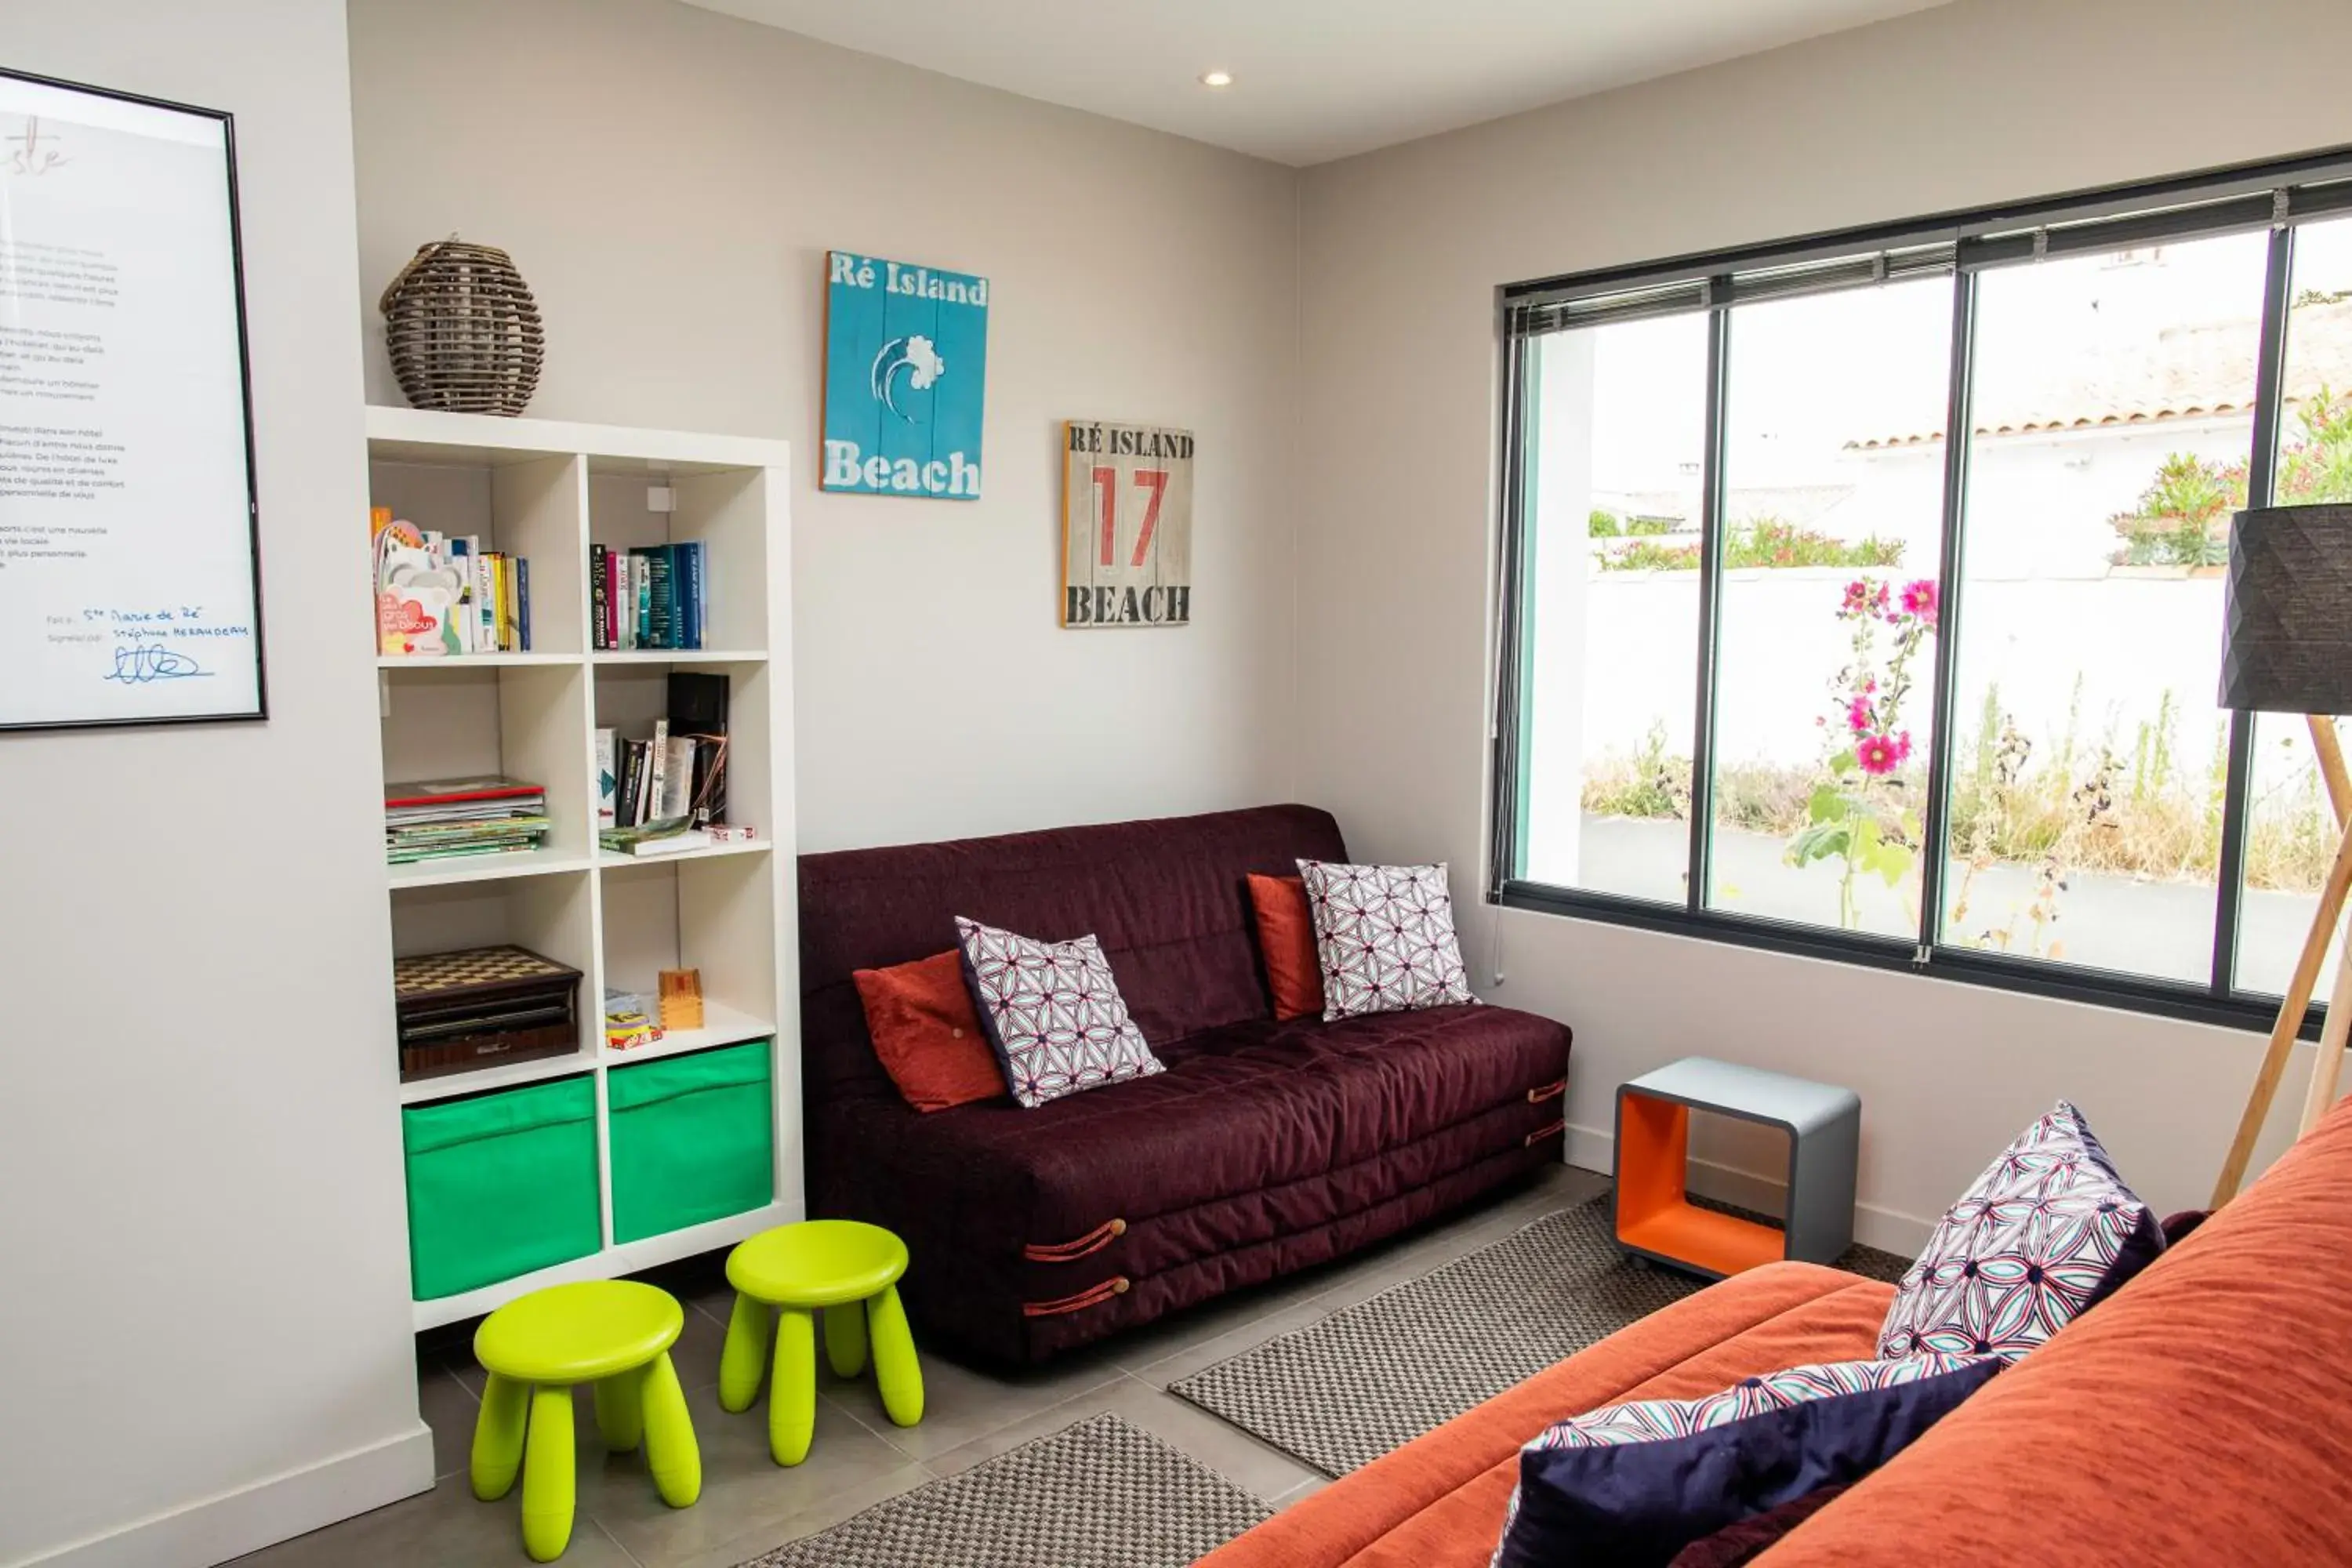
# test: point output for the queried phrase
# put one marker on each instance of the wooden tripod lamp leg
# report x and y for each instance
(2300, 986)
(2330, 752)
(2329, 1067)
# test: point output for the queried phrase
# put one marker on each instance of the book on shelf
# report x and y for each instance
(689, 590)
(435, 819)
(698, 710)
(600, 637)
(672, 781)
(673, 836)
(657, 772)
(486, 603)
(647, 597)
(439, 595)
(607, 780)
(677, 775)
(465, 560)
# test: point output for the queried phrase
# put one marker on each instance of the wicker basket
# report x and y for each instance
(463, 330)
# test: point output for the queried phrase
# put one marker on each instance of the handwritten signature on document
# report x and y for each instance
(140, 663)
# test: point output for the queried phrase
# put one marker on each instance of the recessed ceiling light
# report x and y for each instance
(1216, 78)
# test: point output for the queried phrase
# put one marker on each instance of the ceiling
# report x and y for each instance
(1313, 80)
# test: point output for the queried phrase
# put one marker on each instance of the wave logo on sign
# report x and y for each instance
(905, 369)
(917, 358)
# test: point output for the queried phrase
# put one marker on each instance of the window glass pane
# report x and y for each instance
(2113, 425)
(2290, 834)
(1616, 432)
(1825, 653)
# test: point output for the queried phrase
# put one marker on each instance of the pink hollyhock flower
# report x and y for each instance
(1903, 747)
(1857, 596)
(1877, 755)
(1857, 715)
(1919, 599)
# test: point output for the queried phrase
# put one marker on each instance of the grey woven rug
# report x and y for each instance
(1100, 1494)
(1338, 1393)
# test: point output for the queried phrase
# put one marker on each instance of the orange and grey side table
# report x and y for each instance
(1655, 1217)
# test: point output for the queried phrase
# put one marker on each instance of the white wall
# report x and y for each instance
(669, 180)
(1980, 102)
(203, 1323)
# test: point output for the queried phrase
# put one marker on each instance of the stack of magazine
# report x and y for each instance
(437, 819)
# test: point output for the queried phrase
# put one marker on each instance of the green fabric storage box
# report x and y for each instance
(694, 1139)
(501, 1184)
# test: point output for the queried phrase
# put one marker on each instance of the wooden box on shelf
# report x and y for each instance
(482, 1008)
(681, 998)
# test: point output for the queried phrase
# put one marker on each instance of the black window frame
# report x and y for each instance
(2276, 196)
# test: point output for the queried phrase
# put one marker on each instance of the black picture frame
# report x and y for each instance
(259, 712)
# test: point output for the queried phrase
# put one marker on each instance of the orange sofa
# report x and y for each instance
(2202, 1417)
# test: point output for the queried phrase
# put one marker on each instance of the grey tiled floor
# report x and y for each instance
(749, 1504)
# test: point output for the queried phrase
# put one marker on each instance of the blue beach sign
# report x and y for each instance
(906, 363)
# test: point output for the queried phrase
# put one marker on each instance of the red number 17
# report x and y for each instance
(1107, 488)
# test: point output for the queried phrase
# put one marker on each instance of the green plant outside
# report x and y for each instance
(1768, 543)
(2104, 806)
(2016, 803)
(1861, 810)
(2183, 516)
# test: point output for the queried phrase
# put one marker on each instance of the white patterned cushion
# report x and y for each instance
(1661, 1420)
(1384, 935)
(2045, 1233)
(1053, 1012)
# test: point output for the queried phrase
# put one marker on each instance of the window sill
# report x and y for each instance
(2066, 983)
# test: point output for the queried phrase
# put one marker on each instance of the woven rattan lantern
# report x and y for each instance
(463, 331)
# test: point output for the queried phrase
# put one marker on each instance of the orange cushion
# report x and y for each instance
(2195, 1419)
(1286, 940)
(1438, 1501)
(927, 1033)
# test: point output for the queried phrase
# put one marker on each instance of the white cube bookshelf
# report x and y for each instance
(546, 490)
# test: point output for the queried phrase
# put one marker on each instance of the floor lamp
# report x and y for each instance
(2287, 648)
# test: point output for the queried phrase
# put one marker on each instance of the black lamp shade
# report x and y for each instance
(2286, 637)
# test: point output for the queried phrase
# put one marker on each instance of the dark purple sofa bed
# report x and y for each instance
(1265, 1147)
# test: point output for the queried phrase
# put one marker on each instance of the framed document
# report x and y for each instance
(129, 562)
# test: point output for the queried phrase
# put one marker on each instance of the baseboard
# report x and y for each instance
(1591, 1149)
(216, 1529)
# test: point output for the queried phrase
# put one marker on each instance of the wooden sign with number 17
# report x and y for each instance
(1126, 525)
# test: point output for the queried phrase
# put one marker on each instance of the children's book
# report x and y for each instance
(607, 781)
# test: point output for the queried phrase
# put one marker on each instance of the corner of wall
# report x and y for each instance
(1294, 728)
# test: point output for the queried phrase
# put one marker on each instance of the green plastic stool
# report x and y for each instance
(782, 1279)
(615, 1333)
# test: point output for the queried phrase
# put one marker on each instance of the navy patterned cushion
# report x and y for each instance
(2047, 1232)
(1384, 935)
(1632, 1485)
(1051, 1012)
